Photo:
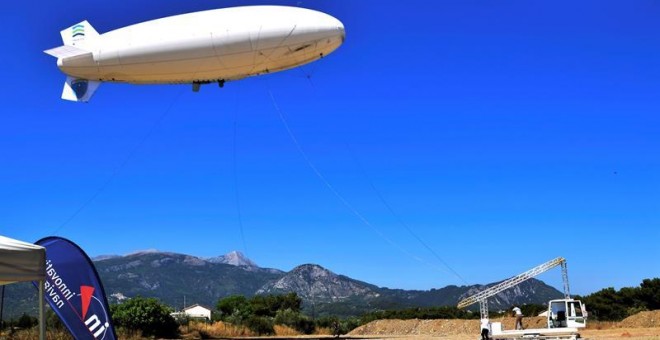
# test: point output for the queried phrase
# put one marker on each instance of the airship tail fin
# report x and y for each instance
(79, 90)
(81, 35)
(65, 51)
(79, 40)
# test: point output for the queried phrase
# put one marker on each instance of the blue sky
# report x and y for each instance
(491, 136)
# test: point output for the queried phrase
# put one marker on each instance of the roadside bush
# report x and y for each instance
(146, 315)
(294, 320)
(260, 325)
(26, 321)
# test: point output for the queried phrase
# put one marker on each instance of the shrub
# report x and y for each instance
(26, 321)
(260, 325)
(146, 315)
(294, 320)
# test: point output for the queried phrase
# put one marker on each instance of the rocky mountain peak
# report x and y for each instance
(313, 272)
(313, 282)
(234, 258)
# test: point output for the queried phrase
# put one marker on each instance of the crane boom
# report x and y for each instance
(506, 284)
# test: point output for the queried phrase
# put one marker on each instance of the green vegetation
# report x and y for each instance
(421, 313)
(261, 313)
(145, 315)
(611, 305)
(532, 310)
(25, 321)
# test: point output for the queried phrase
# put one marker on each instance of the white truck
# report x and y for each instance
(565, 316)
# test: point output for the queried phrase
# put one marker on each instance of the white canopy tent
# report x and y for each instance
(20, 262)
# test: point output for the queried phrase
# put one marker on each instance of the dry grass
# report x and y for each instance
(323, 331)
(128, 335)
(196, 330)
(215, 330)
(55, 334)
(622, 333)
(281, 330)
(599, 325)
(225, 330)
(33, 333)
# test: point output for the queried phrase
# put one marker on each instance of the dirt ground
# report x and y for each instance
(641, 326)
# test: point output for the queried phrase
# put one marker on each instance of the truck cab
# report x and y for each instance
(566, 313)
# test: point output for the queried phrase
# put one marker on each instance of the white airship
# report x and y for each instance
(196, 48)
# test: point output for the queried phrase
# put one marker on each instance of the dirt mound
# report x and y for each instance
(642, 320)
(417, 327)
(438, 327)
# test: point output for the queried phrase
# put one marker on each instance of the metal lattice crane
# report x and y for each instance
(483, 295)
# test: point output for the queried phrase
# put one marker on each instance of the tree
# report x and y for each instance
(147, 315)
(612, 305)
(649, 293)
(231, 304)
(269, 305)
(235, 309)
(606, 305)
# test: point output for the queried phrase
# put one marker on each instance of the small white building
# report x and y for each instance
(194, 312)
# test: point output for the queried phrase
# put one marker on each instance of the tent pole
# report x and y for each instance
(42, 318)
(2, 306)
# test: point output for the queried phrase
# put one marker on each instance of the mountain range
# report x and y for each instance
(179, 279)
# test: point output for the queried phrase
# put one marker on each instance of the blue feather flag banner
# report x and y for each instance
(74, 291)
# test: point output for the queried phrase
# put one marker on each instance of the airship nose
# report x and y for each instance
(332, 24)
(342, 31)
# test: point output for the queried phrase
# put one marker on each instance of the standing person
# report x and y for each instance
(519, 316)
(485, 329)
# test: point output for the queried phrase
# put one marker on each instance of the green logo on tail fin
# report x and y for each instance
(78, 30)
